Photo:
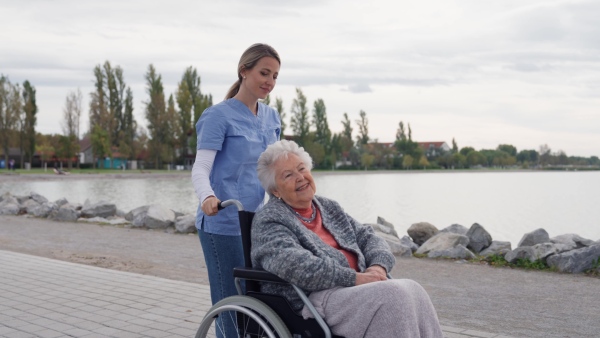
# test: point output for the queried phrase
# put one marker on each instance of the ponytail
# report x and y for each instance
(234, 89)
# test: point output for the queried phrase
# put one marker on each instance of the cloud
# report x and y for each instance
(359, 88)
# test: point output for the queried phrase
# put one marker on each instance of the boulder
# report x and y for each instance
(137, 216)
(29, 205)
(459, 251)
(421, 232)
(407, 241)
(479, 238)
(443, 241)
(456, 229)
(397, 248)
(383, 229)
(100, 209)
(387, 225)
(153, 216)
(23, 198)
(66, 213)
(543, 250)
(576, 261)
(9, 205)
(571, 241)
(43, 210)
(496, 248)
(185, 224)
(535, 237)
(524, 252)
(61, 202)
(38, 198)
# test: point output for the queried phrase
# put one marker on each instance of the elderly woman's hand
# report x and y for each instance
(372, 274)
(210, 206)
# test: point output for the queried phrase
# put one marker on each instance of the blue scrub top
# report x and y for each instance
(239, 138)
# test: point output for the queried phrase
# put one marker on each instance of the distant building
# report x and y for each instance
(433, 149)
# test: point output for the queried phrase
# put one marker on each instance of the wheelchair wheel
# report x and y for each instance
(251, 318)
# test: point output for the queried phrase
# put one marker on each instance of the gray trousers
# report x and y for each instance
(392, 308)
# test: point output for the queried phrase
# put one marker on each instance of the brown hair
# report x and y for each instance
(248, 60)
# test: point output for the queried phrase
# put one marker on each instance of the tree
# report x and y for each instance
(173, 128)
(11, 106)
(507, 148)
(363, 128)
(71, 116)
(299, 121)
(191, 103)
(30, 110)
(407, 161)
(322, 131)
(454, 146)
(281, 111)
(545, 153)
(400, 133)
(111, 105)
(423, 162)
(466, 150)
(473, 157)
(267, 100)
(100, 143)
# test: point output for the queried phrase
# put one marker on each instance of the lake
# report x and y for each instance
(507, 204)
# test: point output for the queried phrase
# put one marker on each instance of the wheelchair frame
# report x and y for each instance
(254, 310)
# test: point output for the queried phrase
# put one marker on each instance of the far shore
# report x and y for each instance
(40, 175)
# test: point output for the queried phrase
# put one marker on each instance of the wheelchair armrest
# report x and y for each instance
(256, 274)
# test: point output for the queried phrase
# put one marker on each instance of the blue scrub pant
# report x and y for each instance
(222, 253)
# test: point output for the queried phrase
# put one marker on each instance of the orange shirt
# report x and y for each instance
(316, 226)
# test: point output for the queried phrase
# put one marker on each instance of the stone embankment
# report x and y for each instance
(566, 253)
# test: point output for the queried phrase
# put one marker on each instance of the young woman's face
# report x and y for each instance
(260, 80)
(294, 183)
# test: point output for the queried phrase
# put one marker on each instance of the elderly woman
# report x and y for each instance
(342, 265)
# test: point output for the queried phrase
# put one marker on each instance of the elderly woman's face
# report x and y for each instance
(294, 183)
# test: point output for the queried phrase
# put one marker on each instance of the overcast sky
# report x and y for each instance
(486, 73)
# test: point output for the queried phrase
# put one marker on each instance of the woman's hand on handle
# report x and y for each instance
(210, 206)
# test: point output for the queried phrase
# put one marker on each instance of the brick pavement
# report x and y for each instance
(41, 297)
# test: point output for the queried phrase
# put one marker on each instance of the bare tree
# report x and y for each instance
(70, 125)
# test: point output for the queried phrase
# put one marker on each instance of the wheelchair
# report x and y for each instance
(256, 314)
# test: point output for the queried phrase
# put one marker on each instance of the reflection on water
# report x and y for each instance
(507, 204)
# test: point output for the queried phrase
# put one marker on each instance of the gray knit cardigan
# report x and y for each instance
(282, 245)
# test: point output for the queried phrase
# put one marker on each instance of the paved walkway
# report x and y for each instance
(41, 297)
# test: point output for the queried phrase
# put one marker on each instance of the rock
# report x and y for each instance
(421, 232)
(388, 225)
(456, 229)
(61, 202)
(120, 213)
(496, 248)
(542, 251)
(459, 251)
(137, 216)
(159, 217)
(9, 208)
(571, 241)
(65, 213)
(185, 224)
(153, 216)
(576, 261)
(397, 248)
(523, 252)
(100, 209)
(383, 229)
(407, 241)
(535, 237)
(9, 205)
(43, 210)
(479, 238)
(443, 241)
(38, 198)
(29, 205)
(22, 199)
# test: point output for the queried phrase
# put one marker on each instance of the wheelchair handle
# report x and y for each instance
(224, 204)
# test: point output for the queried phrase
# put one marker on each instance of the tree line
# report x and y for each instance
(170, 135)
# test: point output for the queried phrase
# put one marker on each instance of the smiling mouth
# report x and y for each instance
(302, 187)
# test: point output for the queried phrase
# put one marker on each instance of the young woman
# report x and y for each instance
(231, 137)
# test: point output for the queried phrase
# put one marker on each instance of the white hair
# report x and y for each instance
(277, 150)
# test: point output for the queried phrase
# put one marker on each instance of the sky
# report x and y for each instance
(483, 73)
